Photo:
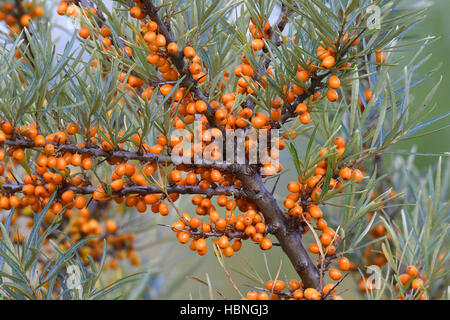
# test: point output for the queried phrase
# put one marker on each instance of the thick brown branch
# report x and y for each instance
(290, 238)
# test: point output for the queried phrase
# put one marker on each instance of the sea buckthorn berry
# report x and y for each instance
(315, 212)
(237, 244)
(86, 164)
(19, 155)
(265, 244)
(314, 248)
(380, 57)
(305, 118)
(223, 242)
(294, 284)
(325, 239)
(328, 62)
(293, 187)
(328, 289)
(334, 82)
(257, 44)
(345, 173)
(105, 31)
(111, 226)
(310, 293)
(301, 108)
(263, 296)
(195, 222)
(332, 95)
(339, 142)
(84, 32)
(172, 48)
(344, 264)
(183, 237)
(321, 224)
(137, 13)
(252, 295)
(404, 278)
(298, 294)
(189, 52)
(357, 176)
(417, 284)
(412, 271)
(335, 274)
(117, 185)
(80, 202)
(68, 196)
(315, 194)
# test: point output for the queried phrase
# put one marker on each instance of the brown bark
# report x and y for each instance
(289, 237)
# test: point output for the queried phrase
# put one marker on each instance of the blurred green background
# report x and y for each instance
(437, 23)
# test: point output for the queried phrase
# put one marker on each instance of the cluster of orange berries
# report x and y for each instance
(224, 229)
(303, 197)
(294, 291)
(54, 171)
(187, 108)
(311, 188)
(247, 83)
(258, 34)
(16, 18)
(70, 9)
(412, 281)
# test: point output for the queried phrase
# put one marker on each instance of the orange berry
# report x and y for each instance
(84, 32)
(195, 222)
(265, 244)
(301, 108)
(163, 209)
(117, 185)
(305, 118)
(172, 48)
(293, 187)
(357, 176)
(86, 164)
(412, 271)
(298, 294)
(334, 82)
(137, 13)
(223, 242)
(345, 173)
(80, 202)
(335, 274)
(68, 196)
(417, 284)
(344, 264)
(315, 212)
(19, 155)
(380, 57)
(189, 52)
(328, 62)
(111, 226)
(257, 44)
(314, 248)
(332, 95)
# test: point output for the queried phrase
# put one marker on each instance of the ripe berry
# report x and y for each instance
(335, 274)
(344, 264)
(334, 82)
